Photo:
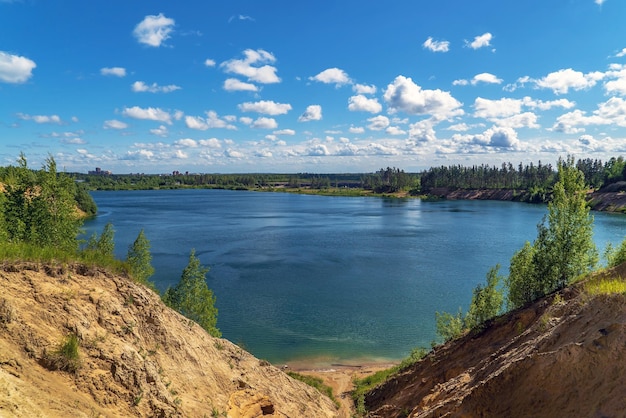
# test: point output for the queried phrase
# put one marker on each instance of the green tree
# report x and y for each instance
(193, 298)
(139, 259)
(564, 248)
(520, 282)
(449, 326)
(103, 245)
(487, 300)
(615, 256)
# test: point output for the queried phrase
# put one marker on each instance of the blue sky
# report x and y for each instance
(326, 86)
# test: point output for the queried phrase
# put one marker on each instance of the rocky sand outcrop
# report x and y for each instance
(136, 356)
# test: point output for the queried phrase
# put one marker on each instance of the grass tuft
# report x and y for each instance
(317, 383)
(606, 287)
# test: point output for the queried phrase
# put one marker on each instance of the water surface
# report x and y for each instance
(300, 276)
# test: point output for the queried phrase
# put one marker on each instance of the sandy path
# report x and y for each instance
(339, 378)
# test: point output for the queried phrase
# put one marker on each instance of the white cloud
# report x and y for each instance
(364, 104)
(485, 108)
(233, 84)
(481, 41)
(356, 130)
(141, 154)
(140, 87)
(15, 69)
(317, 150)
(461, 82)
(266, 107)
(154, 30)
(209, 62)
(522, 120)
(622, 53)
(211, 121)
(394, 130)
(240, 17)
(312, 112)
(150, 113)
(233, 154)
(160, 131)
(180, 154)
(378, 123)
(436, 46)
(41, 118)
(404, 95)
(486, 78)
(364, 89)
(265, 74)
(599, 2)
(332, 76)
(501, 137)
(114, 71)
(618, 84)
(541, 105)
(186, 143)
(114, 124)
(210, 143)
(246, 120)
(561, 81)
(285, 132)
(264, 123)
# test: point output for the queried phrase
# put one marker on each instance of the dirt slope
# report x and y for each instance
(564, 356)
(137, 357)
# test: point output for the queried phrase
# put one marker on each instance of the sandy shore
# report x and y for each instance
(339, 376)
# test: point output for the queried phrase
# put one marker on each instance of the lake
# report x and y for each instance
(332, 278)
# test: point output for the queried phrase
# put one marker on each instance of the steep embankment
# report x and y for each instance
(563, 356)
(137, 357)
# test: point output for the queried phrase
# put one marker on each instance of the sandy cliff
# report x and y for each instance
(137, 357)
(563, 356)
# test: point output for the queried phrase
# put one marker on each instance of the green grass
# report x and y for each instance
(606, 287)
(362, 386)
(317, 383)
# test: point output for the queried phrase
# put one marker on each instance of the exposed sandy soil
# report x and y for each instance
(563, 356)
(137, 357)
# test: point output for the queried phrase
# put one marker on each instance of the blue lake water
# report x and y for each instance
(335, 278)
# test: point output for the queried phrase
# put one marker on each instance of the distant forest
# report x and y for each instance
(538, 178)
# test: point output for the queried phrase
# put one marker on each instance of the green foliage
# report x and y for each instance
(520, 283)
(487, 300)
(316, 383)
(564, 248)
(104, 245)
(66, 357)
(139, 259)
(606, 287)
(193, 298)
(39, 208)
(449, 326)
(84, 201)
(615, 256)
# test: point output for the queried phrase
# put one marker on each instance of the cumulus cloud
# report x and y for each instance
(15, 69)
(436, 46)
(186, 143)
(231, 153)
(364, 89)
(485, 108)
(312, 112)
(114, 124)
(406, 96)
(160, 131)
(617, 85)
(113, 71)
(150, 113)
(486, 78)
(209, 62)
(41, 118)
(621, 53)
(481, 41)
(211, 121)
(264, 123)
(267, 107)
(140, 87)
(501, 137)
(334, 76)
(210, 143)
(561, 81)
(154, 30)
(394, 130)
(251, 67)
(364, 104)
(233, 84)
(547, 105)
(378, 123)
